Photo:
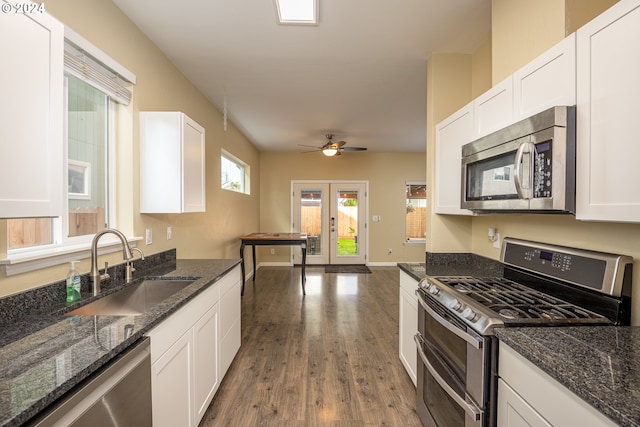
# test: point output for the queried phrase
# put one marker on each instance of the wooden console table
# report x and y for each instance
(273, 239)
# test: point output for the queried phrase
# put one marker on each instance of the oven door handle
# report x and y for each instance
(472, 410)
(457, 331)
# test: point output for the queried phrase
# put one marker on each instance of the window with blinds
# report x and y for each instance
(94, 86)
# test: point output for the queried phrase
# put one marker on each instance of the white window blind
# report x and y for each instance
(88, 69)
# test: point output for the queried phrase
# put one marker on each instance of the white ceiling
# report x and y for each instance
(360, 73)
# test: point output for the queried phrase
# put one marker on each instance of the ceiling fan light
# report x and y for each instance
(329, 151)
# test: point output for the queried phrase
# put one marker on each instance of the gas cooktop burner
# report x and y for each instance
(460, 287)
(509, 313)
(513, 303)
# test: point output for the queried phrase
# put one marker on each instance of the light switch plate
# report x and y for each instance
(148, 236)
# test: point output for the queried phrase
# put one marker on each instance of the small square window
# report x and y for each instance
(416, 205)
(235, 174)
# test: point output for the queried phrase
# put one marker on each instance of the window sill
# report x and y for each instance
(415, 242)
(38, 259)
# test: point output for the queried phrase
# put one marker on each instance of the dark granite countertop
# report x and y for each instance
(600, 364)
(462, 264)
(417, 270)
(453, 264)
(44, 354)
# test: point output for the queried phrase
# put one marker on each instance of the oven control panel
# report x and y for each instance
(590, 269)
(542, 176)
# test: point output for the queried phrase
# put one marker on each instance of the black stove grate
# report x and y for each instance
(512, 301)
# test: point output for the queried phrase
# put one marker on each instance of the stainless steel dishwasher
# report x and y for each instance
(117, 395)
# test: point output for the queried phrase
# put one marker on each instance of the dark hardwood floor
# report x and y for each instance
(329, 358)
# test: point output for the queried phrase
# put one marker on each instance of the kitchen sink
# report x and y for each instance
(132, 300)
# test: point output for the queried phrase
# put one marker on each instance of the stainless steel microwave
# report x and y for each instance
(529, 166)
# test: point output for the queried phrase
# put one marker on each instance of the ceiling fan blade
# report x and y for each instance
(354, 149)
(310, 146)
(340, 143)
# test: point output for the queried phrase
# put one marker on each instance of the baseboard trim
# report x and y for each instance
(382, 264)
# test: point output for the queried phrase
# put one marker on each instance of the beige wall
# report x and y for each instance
(579, 12)
(449, 87)
(521, 30)
(386, 173)
(481, 69)
(160, 86)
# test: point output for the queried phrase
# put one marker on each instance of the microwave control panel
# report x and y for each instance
(542, 177)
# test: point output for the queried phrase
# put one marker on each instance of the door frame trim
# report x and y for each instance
(333, 181)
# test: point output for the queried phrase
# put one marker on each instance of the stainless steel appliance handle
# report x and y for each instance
(471, 410)
(524, 189)
(457, 331)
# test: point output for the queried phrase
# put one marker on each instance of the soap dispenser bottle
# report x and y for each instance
(73, 283)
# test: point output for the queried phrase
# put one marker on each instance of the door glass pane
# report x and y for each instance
(311, 219)
(348, 223)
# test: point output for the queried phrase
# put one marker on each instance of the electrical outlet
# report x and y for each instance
(148, 236)
(496, 242)
(169, 233)
(273, 251)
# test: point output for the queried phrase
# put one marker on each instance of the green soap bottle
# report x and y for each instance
(73, 284)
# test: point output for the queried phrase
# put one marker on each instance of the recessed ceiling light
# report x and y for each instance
(297, 12)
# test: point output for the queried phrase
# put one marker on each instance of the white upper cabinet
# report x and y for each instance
(172, 163)
(493, 110)
(451, 134)
(608, 135)
(31, 106)
(547, 81)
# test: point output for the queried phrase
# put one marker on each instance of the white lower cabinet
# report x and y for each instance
(408, 324)
(514, 411)
(230, 333)
(206, 377)
(171, 383)
(189, 356)
(527, 396)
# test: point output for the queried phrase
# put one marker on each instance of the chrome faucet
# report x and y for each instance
(129, 268)
(96, 277)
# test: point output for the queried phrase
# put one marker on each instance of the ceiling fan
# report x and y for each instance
(333, 148)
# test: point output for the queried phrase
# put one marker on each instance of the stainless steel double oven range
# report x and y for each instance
(543, 285)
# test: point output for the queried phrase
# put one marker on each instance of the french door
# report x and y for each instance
(333, 214)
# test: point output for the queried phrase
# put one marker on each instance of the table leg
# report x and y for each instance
(304, 262)
(253, 252)
(242, 266)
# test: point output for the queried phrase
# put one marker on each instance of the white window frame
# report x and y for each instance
(65, 249)
(246, 185)
(414, 240)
